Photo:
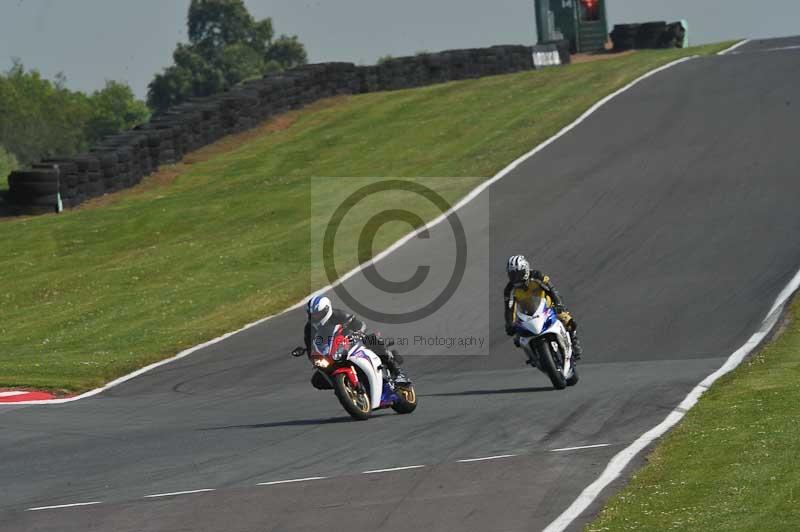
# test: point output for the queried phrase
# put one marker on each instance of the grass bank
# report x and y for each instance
(95, 293)
(731, 464)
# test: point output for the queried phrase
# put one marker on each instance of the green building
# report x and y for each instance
(582, 22)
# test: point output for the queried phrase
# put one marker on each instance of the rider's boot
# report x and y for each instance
(396, 357)
(387, 360)
(393, 361)
(392, 367)
(390, 359)
(577, 349)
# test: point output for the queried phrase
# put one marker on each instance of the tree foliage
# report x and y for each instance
(216, 24)
(113, 109)
(287, 51)
(8, 163)
(226, 46)
(39, 117)
(191, 75)
(42, 118)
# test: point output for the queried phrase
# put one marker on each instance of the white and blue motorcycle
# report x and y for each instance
(547, 344)
(344, 364)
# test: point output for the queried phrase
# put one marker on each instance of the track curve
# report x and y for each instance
(668, 220)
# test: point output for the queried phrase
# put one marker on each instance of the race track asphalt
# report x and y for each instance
(669, 220)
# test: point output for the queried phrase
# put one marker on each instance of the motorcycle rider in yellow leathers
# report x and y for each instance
(527, 288)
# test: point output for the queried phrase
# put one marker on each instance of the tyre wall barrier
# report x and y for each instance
(122, 160)
(554, 53)
(648, 36)
(563, 46)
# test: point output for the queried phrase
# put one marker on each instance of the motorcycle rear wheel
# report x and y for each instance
(406, 399)
(549, 365)
(354, 402)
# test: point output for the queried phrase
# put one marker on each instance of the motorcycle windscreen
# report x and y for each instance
(323, 337)
(532, 318)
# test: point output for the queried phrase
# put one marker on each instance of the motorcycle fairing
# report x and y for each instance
(389, 396)
(369, 363)
(349, 372)
(545, 323)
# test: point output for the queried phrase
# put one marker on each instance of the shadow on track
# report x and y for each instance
(491, 392)
(292, 423)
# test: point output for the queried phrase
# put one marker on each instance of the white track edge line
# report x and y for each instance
(175, 493)
(485, 458)
(389, 470)
(781, 49)
(59, 506)
(464, 201)
(290, 481)
(726, 51)
(620, 460)
(580, 447)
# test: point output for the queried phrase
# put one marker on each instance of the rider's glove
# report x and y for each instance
(567, 319)
(298, 351)
(510, 329)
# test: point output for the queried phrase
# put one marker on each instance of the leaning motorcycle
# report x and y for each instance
(547, 344)
(356, 375)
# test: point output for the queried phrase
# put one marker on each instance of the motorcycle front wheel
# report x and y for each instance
(355, 402)
(406, 399)
(548, 361)
(573, 379)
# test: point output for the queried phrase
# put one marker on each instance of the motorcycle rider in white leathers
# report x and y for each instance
(322, 316)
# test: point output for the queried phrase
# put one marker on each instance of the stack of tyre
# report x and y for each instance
(674, 36)
(72, 180)
(624, 36)
(399, 73)
(90, 176)
(649, 35)
(166, 139)
(462, 64)
(425, 69)
(133, 160)
(109, 170)
(188, 119)
(122, 160)
(37, 188)
(369, 78)
(564, 48)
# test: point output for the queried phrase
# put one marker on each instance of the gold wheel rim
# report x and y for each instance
(358, 399)
(409, 394)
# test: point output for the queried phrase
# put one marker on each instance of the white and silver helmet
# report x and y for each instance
(319, 310)
(519, 270)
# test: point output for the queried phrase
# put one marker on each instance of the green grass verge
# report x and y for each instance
(95, 293)
(731, 464)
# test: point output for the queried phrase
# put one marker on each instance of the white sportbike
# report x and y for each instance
(546, 343)
(356, 374)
